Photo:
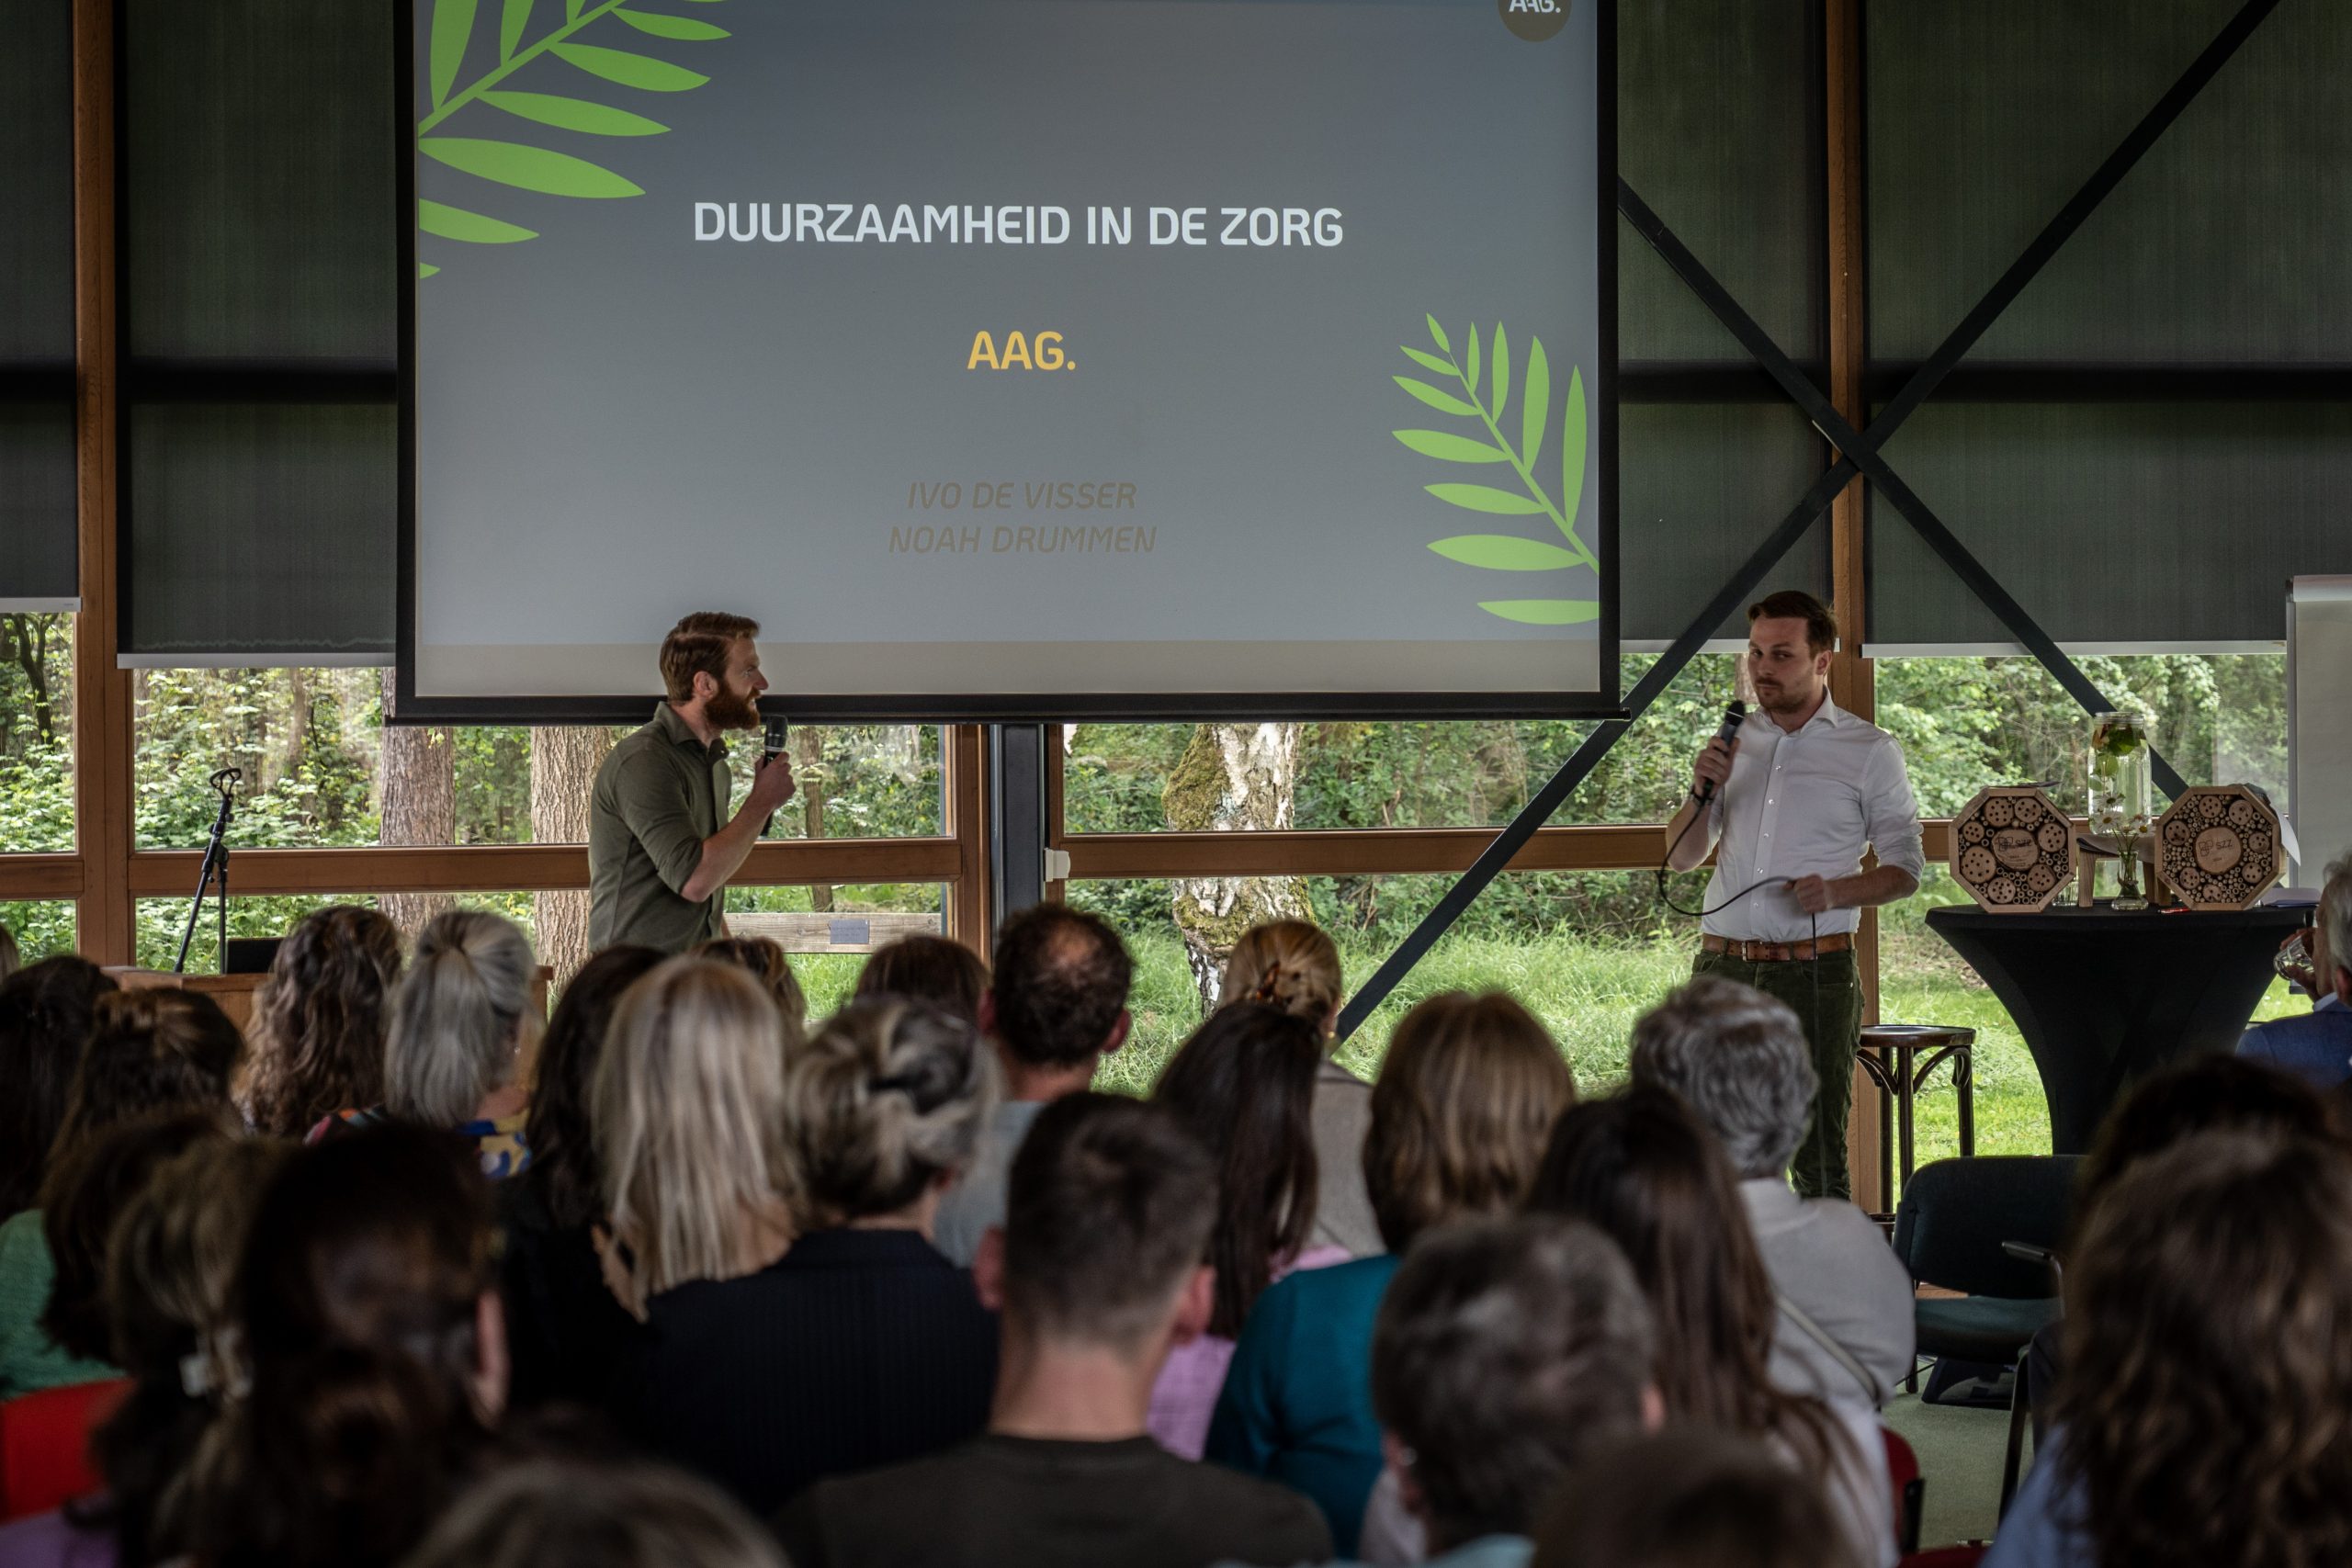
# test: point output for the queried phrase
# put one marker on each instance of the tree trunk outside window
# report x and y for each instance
(419, 781)
(1232, 778)
(564, 759)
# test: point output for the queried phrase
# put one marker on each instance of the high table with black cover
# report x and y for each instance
(2105, 998)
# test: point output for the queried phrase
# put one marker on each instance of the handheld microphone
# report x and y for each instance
(1727, 732)
(778, 733)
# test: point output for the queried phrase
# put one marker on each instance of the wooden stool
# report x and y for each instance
(1900, 1058)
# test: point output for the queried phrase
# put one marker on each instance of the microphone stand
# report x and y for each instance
(214, 871)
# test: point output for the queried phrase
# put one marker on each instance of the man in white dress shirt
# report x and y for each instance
(1800, 794)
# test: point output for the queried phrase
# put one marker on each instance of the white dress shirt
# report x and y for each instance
(1805, 805)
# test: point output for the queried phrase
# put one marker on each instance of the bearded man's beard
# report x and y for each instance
(731, 709)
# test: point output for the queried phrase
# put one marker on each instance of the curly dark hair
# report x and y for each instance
(2207, 1409)
(317, 1029)
(88, 1194)
(158, 1049)
(927, 969)
(1060, 983)
(45, 1014)
(560, 1137)
(2203, 1094)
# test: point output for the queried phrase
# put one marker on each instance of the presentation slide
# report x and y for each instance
(1037, 357)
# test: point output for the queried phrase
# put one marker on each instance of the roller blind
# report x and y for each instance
(37, 480)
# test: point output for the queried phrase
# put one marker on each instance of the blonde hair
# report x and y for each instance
(1291, 963)
(889, 1097)
(763, 958)
(687, 1110)
(458, 1020)
(1460, 1113)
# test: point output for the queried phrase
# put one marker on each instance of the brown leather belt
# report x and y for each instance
(1776, 951)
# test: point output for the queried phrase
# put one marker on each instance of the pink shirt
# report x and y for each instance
(1185, 1396)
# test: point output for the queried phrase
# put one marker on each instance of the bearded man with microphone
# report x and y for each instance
(1792, 799)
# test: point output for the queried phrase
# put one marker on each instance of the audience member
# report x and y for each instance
(373, 1357)
(320, 1021)
(1466, 1099)
(1098, 1272)
(462, 1021)
(1244, 1085)
(1057, 1005)
(2316, 1046)
(1506, 1351)
(1739, 1059)
(563, 1326)
(932, 969)
(765, 960)
(554, 1514)
(46, 1010)
(2207, 1414)
(149, 1051)
(12, 958)
(860, 1344)
(1690, 1498)
(1641, 1166)
(1295, 966)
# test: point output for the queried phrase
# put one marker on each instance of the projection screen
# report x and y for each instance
(1039, 358)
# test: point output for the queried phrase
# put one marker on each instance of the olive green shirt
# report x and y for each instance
(658, 796)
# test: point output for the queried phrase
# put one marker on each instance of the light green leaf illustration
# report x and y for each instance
(1487, 498)
(1437, 335)
(1470, 358)
(1431, 362)
(511, 23)
(572, 9)
(1544, 612)
(640, 71)
(456, 223)
(1572, 449)
(658, 26)
(1440, 401)
(1502, 374)
(453, 23)
(1450, 448)
(528, 168)
(1504, 552)
(1535, 411)
(426, 269)
(574, 114)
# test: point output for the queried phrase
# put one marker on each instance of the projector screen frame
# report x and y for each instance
(1607, 703)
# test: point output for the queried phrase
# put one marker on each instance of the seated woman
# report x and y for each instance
(1465, 1099)
(461, 1022)
(1244, 1085)
(1295, 966)
(320, 1020)
(562, 1326)
(2207, 1412)
(768, 1361)
(149, 1051)
(1639, 1166)
(372, 1357)
(932, 969)
(46, 1012)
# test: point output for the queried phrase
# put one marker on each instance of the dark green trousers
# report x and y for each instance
(1833, 1024)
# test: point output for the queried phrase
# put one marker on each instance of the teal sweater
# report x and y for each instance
(29, 1360)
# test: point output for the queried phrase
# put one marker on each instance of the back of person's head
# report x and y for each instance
(1293, 965)
(1505, 1349)
(2203, 1094)
(765, 960)
(1739, 1059)
(1108, 1211)
(932, 969)
(320, 1020)
(46, 1010)
(884, 1104)
(2205, 1413)
(170, 1265)
(688, 1106)
(1244, 1084)
(1465, 1099)
(373, 1359)
(92, 1185)
(459, 1017)
(1690, 1498)
(1641, 1166)
(559, 1514)
(560, 1134)
(1058, 986)
(149, 1051)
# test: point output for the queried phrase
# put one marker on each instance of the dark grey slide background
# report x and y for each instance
(618, 422)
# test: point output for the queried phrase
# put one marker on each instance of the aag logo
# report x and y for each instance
(1533, 20)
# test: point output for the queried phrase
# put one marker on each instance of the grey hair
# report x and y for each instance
(1739, 1059)
(2335, 920)
(883, 1100)
(458, 1019)
(551, 1514)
